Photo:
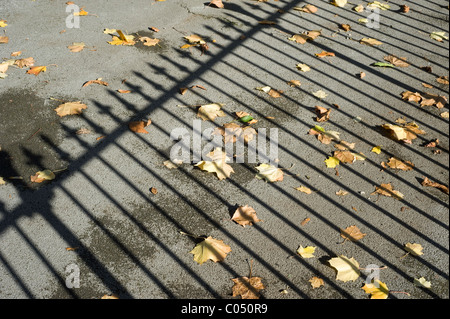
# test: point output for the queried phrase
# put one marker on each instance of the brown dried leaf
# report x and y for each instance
(139, 126)
(70, 108)
(395, 163)
(245, 215)
(429, 183)
(323, 114)
(387, 190)
(399, 62)
(97, 81)
(247, 288)
(352, 233)
(24, 63)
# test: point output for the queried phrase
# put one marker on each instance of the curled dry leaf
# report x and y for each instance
(399, 62)
(294, 83)
(4, 39)
(443, 79)
(414, 249)
(45, 175)
(304, 189)
(210, 248)
(70, 108)
(247, 288)
(139, 126)
(345, 27)
(324, 54)
(352, 233)
(37, 69)
(123, 91)
(370, 41)
(323, 114)
(24, 63)
(325, 137)
(395, 163)
(387, 190)
(429, 183)
(217, 164)
(149, 42)
(245, 215)
(97, 81)
(269, 172)
(216, 3)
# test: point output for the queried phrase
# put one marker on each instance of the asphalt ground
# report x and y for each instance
(125, 241)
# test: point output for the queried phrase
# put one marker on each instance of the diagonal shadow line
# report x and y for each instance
(379, 49)
(427, 41)
(289, 223)
(289, 132)
(16, 277)
(391, 17)
(329, 199)
(354, 62)
(205, 215)
(345, 98)
(296, 156)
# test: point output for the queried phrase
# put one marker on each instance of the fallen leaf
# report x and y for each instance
(16, 53)
(400, 62)
(414, 249)
(294, 83)
(172, 164)
(444, 115)
(303, 67)
(97, 81)
(245, 215)
(122, 39)
(359, 8)
(352, 233)
(411, 97)
(82, 12)
(343, 145)
(316, 282)
(387, 190)
(2, 181)
(4, 39)
(427, 85)
(339, 3)
(267, 22)
(383, 64)
(82, 131)
(379, 5)
(153, 190)
(377, 290)
(345, 27)
(433, 143)
(113, 296)
(427, 182)
(362, 75)
(149, 42)
(438, 36)
(429, 99)
(216, 3)
(305, 221)
(37, 69)
(307, 252)
(320, 94)
(217, 164)
(341, 193)
(325, 137)
(347, 268)
(210, 248)
(422, 282)
(407, 132)
(324, 54)
(109, 31)
(70, 108)
(3, 23)
(395, 163)
(323, 114)
(275, 93)
(376, 149)
(346, 156)
(76, 47)
(24, 63)
(331, 162)
(139, 126)
(247, 288)
(209, 112)
(404, 8)
(269, 172)
(304, 189)
(45, 175)
(370, 41)
(123, 91)
(195, 39)
(443, 79)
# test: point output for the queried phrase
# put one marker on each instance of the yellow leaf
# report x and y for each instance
(269, 172)
(70, 108)
(304, 189)
(109, 31)
(303, 67)
(339, 3)
(307, 252)
(347, 268)
(377, 290)
(218, 164)
(81, 13)
(36, 70)
(414, 249)
(195, 39)
(45, 175)
(332, 162)
(3, 23)
(210, 248)
(422, 282)
(2, 181)
(376, 149)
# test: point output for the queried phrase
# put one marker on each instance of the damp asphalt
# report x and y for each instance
(98, 229)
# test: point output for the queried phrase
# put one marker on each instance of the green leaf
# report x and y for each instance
(383, 64)
(246, 118)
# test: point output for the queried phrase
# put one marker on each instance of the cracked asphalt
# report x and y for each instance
(98, 219)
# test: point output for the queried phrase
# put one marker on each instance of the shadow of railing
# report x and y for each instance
(38, 201)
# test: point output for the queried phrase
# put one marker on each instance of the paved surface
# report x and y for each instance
(126, 240)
